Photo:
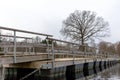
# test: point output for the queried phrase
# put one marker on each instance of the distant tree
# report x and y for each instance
(111, 48)
(37, 39)
(107, 47)
(10, 39)
(49, 41)
(118, 48)
(82, 26)
(45, 41)
(4, 38)
(103, 46)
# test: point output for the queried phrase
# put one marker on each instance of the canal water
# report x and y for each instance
(111, 73)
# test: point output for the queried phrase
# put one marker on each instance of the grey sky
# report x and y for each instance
(46, 16)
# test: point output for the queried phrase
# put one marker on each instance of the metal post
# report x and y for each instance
(95, 54)
(29, 50)
(48, 50)
(73, 54)
(4, 50)
(26, 45)
(14, 57)
(53, 61)
(3, 73)
(33, 46)
(85, 52)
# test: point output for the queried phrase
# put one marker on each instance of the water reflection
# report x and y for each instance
(112, 73)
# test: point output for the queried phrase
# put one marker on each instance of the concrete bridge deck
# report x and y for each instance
(39, 59)
(8, 59)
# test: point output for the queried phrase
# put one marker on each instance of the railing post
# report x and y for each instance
(4, 50)
(26, 46)
(14, 57)
(73, 54)
(3, 73)
(48, 49)
(33, 47)
(84, 52)
(94, 54)
(53, 61)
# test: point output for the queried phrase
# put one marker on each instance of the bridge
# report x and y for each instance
(21, 51)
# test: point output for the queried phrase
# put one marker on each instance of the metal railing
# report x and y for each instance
(15, 36)
(73, 51)
(52, 47)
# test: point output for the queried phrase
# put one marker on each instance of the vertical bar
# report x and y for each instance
(4, 50)
(3, 72)
(26, 45)
(33, 46)
(53, 61)
(94, 53)
(73, 54)
(29, 50)
(14, 57)
(48, 50)
(84, 52)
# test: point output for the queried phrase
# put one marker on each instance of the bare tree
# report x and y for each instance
(37, 39)
(82, 26)
(118, 48)
(103, 46)
(111, 49)
(107, 47)
(10, 39)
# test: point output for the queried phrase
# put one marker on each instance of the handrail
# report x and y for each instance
(72, 49)
(24, 31)
(18, 30)
(62, 41)
(16, 36)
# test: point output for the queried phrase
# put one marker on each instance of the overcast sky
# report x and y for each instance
(46, 16)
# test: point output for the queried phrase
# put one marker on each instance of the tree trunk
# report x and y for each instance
(82, 46)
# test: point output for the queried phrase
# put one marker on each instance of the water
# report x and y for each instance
(112, 73)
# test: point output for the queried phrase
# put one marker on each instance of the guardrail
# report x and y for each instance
(52, 47)
(15, 36)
